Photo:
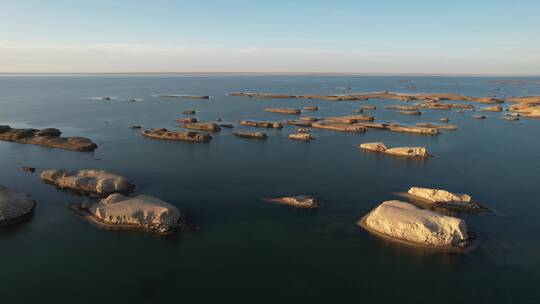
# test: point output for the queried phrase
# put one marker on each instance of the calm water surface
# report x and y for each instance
(251, 251)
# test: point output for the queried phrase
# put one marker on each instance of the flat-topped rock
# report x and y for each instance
(254, 135)
(303, 130)
(372, 125)
(283, 110)
(301, 136)
(299, 201)
(15, 206)
(413, 130)
(226, 125)
(410, 112)
(402, 108)
(412, 152)
(405, 223)
(359, 118)
(523, 99)
(298, 123)
(189, 136)
(495, 108)
(189, 112)
(341, 120)
(308, 118)
(262, 124)
(367, 107)
(339, 127)
(438, 126)
(311, 108)
(479, 117)
(141, 212)
(202, 126)
(100, 182)
(444, 119)
(48, 137)
(444, 198)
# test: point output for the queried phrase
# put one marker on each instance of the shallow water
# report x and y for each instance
(248, 250)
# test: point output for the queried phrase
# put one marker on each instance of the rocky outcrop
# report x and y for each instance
(190, 136)
(99, 182)
(301, 136)
(408, 224)
(262, 124)
(372, 125)
(142, 212)
(367, 107)
(303, 130)
(413, 130)
(28, 169)
(479, 117)
(403, 108)
(226, 125)
(311, 108)
(527, 109)
(410, 112)
(299, 201)
(430, 125)
(14, 206)
(359, 118)
(495, 108)
(339, 127)
(308, 118)
(524, 99)
(444, 198)
(283, 110)
(46, 137)
(254, 135)
(201, 126)
(189, 112)
(444, 119)
(298, 123)
(412, 152)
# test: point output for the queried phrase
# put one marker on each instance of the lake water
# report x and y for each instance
(252, 251)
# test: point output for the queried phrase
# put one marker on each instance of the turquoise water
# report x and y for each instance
(253, 251)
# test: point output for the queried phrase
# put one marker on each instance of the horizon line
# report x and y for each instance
(274, 73)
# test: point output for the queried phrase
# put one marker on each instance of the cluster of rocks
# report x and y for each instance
(49, 137)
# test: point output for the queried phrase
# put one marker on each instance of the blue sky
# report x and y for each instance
(438, 37)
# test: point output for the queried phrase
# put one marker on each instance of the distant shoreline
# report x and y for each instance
(265, 74)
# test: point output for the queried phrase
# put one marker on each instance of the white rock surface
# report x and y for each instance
(141, 211)
(406, 222)
(400, 151)
(14, 204)
(88, 181)
(443, 197)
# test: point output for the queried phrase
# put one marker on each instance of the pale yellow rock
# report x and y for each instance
(399, 151)
(405, 222)
(99, 182)
(142, 211)
(443, 197)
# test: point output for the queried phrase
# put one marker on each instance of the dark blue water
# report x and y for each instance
(252, 251)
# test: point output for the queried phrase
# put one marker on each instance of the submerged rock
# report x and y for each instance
(410, 112)
(479, 117)
(202, 126)
(399, 151)
(98, 182)
(14, 206)
(136, 127)
(49, 137)
(189, 112)
(28, 169)
(226, 125)
(283, 110)
(444, 198)
(263, 124)
(254, 135)
(190, 136)
(301, 136)
(299, 201)
(141, 212)
(339, 127)
(406, 223)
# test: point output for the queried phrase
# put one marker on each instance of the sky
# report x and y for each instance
(338, 36)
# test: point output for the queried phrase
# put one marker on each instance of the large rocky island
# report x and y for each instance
(49, 137)
(405, 223)
(99, 182)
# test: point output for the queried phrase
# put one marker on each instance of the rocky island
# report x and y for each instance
(142, 212)
(262, 124)
(380, 147)
(407, 224)
(445, 199)
(49, 137)
(283, 110)
(254, 135)
(299, 201)
(98, 182)
(190, 136)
